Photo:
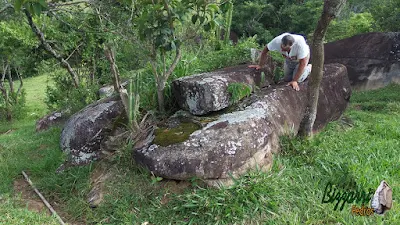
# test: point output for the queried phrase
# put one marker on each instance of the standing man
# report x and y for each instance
(297, 54)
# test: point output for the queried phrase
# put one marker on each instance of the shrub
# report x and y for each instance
(64, 96)
(358, 23)
(16, 109)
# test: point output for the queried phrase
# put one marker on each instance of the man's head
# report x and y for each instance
(287, 42)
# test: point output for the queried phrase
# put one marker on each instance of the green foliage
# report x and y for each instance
(35, 7)
(16, 107)
(17, 46)
(275, 17)
(357, 23)
(156, 22)
(158, 19)
(238, 91)
(249, 18)
(229, 55)
(386, 14)
(302, 18)
(62, 95)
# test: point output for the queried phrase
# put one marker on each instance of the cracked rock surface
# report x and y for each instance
(207, 92)
(245, 139)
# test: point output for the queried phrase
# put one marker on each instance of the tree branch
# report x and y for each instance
(2, 88)
(10, 81)
(74, 51)
(20, 86)
(49, 49)
(164, 63)
(174, 63)
(153, 61)
(69, 3)
(114, 69)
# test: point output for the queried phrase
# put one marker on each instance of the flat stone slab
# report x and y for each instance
(372, 59)
(238, 141)
(207, 92)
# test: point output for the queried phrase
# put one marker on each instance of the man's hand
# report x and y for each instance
(294, 84)
(255, 66)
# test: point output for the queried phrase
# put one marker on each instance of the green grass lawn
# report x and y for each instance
(363, 148)
(35, 88)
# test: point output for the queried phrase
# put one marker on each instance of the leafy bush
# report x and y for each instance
(16, 108)
(275, 17)
(64, 96)
(229, 55)
(386, 15)
(357, 23)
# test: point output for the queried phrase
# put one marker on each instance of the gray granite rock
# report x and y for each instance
(372, 59)
(208, 92)
(245, 139)
(84, 132)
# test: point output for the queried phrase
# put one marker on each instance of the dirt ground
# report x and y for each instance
(28, 198)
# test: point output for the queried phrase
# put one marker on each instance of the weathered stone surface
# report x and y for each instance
(49, 120)
(207, 92)
(246, 139)
(84, 131)
(372, 59)
(108, 91)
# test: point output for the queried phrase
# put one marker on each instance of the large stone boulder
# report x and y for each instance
(372, 59)
(245, 139)
(208, 92)
(84, 131)
(50, 120)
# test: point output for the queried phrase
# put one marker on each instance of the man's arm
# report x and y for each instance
(263, 56)
(300, 70)
(262, 59)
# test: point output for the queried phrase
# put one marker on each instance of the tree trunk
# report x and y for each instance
(160, 98)
(10, 80)
(3, 88)
(114, 69)
(94, 69)
(50, 50)
(20, 86)
(162, 79)
(330, 11)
